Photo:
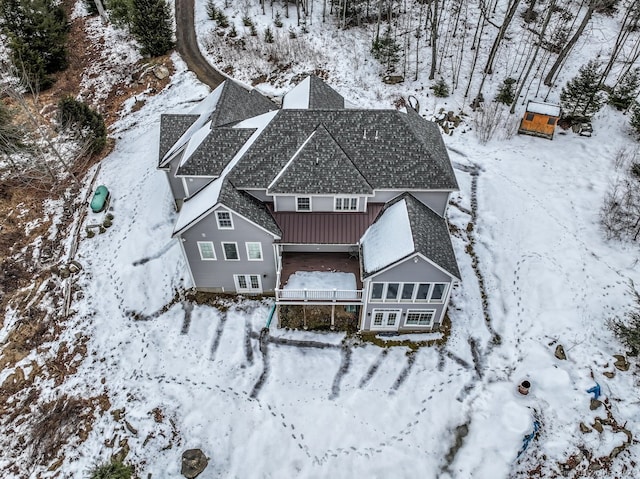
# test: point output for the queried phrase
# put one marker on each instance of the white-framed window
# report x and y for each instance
(408, 292)
(438, 293)
(346, 204)
(248, 283)
(418, 317)
(254, 251)
(207, 252)
(385, 318)
(303, 203)
(224, 220)
(230, 251)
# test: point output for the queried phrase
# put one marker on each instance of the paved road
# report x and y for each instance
(187, 45)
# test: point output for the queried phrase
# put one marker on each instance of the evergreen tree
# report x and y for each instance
(624, 94)
(441, 89)
(89, 123)
(151, 25)
(582, 96)
(120, 12)
(386, 50)
(37, 37)
(505, 93)
(635, 118)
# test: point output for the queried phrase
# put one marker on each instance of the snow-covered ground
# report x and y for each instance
(194, 376)
(361, 410)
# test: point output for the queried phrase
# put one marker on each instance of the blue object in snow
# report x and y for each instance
(595, 390)
(529, 437)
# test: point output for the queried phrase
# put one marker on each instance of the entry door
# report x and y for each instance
(385, 319)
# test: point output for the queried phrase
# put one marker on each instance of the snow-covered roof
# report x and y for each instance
(204, 109)
(543, 108)
(197, 206)
(321, 280)
(298, 97)
(388, 240)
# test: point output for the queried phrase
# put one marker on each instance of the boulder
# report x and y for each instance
(621, 363)
(608, 374)
(161, 72)
(595, 404)
(193, 463)
(584, 428)
(560, 354)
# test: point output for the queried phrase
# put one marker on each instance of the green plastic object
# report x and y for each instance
(99, 200)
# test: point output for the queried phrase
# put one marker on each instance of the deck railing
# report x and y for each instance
(328, 295)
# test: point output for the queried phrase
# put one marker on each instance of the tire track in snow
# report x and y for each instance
(218, 336)
(404, 374)
(342, 370)
(373, 368)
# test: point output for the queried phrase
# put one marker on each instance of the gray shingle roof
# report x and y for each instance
(171, 129)
(237, 104)
(215, 152)
(390, 149)
(431, 235)
(307, 171)
(248, 206)
(322, 96)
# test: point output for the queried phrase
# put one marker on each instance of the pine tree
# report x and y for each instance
(386, 50)
(635, 118)
(88, 123)
(37, 37)
(120, 12)
(624, 94)
(151, 25)
(582, 96)
(505, 93)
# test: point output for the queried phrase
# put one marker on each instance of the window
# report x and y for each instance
(350, 308)
(423, 292)
(254, 251)
(224, 220)
(303, 204)
(551, 121)
(420, 318)
(407, 291)
(529, 117)
(207, 253)
(248, 283)
(346, 204)
(392, 290)
(230, 251)
(438, 292)
(376, 290)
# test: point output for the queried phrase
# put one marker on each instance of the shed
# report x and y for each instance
(540, 119)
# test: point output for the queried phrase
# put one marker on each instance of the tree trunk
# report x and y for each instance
(548, 80)
(621, 39)
(535, 55)
(434, 40)
(513, 7)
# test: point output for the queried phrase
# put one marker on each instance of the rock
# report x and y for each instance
(621, 362)
(597, 425)
(193, 463)
(595, 404)
(616, 450)
(392, 79)
(584, 428)
(131, 429)
(161, 72)
(560, 354)
(608, 374)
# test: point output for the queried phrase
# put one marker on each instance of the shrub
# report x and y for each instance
(441, 89)
(268, 35)
(292, 33)
(247, 22)
(253, 30)
(278, 20)
(506, 93)
(90, 124)
(112, 470)
(628, 329)
(635, 118)
(212, 10)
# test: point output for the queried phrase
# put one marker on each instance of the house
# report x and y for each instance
(337, 212)
(540, 119)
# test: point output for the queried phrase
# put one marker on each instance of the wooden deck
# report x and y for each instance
(335, 262)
